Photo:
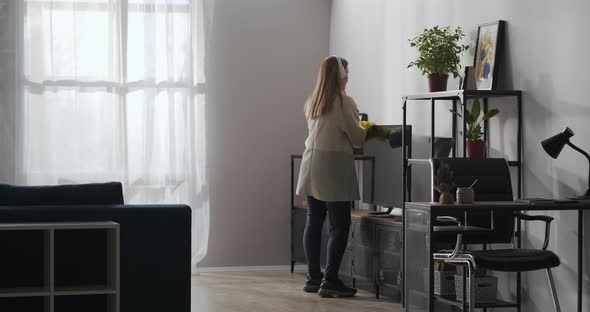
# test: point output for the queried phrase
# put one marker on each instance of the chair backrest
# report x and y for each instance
(493, 184)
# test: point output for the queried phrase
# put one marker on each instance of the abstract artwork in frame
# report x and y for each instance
(488, 45)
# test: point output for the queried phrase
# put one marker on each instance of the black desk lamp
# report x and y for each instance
(555, 144)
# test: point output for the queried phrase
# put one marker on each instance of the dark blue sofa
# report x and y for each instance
(155, 242)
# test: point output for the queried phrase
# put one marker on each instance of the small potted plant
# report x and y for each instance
(444, 183)
(439, 50)
(475, 146)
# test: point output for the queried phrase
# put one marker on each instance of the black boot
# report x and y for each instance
(312, 285)
(335, 289)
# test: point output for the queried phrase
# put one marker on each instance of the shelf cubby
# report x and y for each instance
(86, 303)
(75, 252)
(29, 304)
(23, 263)
(488, 305)
(59, 267)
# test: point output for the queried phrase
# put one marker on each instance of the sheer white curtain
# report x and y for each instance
(113, 90)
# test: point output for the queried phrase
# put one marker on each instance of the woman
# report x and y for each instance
(327, 176)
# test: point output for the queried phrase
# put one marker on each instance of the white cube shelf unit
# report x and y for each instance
(59, 267)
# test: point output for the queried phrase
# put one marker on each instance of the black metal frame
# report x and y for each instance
(463, 96)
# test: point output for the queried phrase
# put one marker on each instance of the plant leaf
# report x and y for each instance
(475, 110)
(444, 181)
(439, 50)
(491, 114)
(468, 118)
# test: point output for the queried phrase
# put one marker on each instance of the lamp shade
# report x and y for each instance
(555, 144)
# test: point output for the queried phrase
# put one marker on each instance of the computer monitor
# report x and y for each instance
(387, 179)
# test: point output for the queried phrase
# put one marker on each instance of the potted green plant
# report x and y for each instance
(475, 146)
(444, 183)
(439, 50)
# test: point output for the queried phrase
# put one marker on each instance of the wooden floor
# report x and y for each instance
(272, 291)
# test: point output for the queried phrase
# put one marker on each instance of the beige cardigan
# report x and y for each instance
(327, 169)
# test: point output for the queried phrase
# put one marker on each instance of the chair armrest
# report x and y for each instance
(459, 229)
(456, 229)
(524, 217)
(448, 219)
(546, 219)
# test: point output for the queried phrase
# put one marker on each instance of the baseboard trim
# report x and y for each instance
(269, 268)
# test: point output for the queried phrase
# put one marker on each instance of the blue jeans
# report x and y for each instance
(339, 217)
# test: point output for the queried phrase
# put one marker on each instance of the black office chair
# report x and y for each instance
(489, 227)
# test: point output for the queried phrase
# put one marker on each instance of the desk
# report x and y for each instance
(418, 264)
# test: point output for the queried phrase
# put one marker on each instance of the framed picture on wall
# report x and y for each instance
(489, 44)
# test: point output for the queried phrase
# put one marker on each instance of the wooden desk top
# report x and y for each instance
(543, 205)
(364, 216)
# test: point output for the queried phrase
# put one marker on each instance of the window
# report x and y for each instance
(114, 90)
(110, 92)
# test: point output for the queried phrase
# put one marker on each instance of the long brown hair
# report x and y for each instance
(327, 88)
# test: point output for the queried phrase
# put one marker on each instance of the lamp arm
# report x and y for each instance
(583, 153)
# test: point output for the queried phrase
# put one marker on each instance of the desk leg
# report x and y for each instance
(518, 274)
(580, 256)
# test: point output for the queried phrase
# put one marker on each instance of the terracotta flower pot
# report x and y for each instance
(476, 149)
(437, 82)
(446, 198)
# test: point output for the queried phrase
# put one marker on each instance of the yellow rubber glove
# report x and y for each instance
(366, 124)
(375, 132)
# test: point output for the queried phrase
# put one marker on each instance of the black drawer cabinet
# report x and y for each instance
(363, 233)
(363, 245)
(372, 260)
(389, 238)
(388, 261)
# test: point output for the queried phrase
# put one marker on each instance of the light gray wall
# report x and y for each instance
(8, 22)
(263, 61)
(546, 57)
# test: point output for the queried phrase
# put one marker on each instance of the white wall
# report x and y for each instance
(263, 61)
(8, 17)
(546, 58)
